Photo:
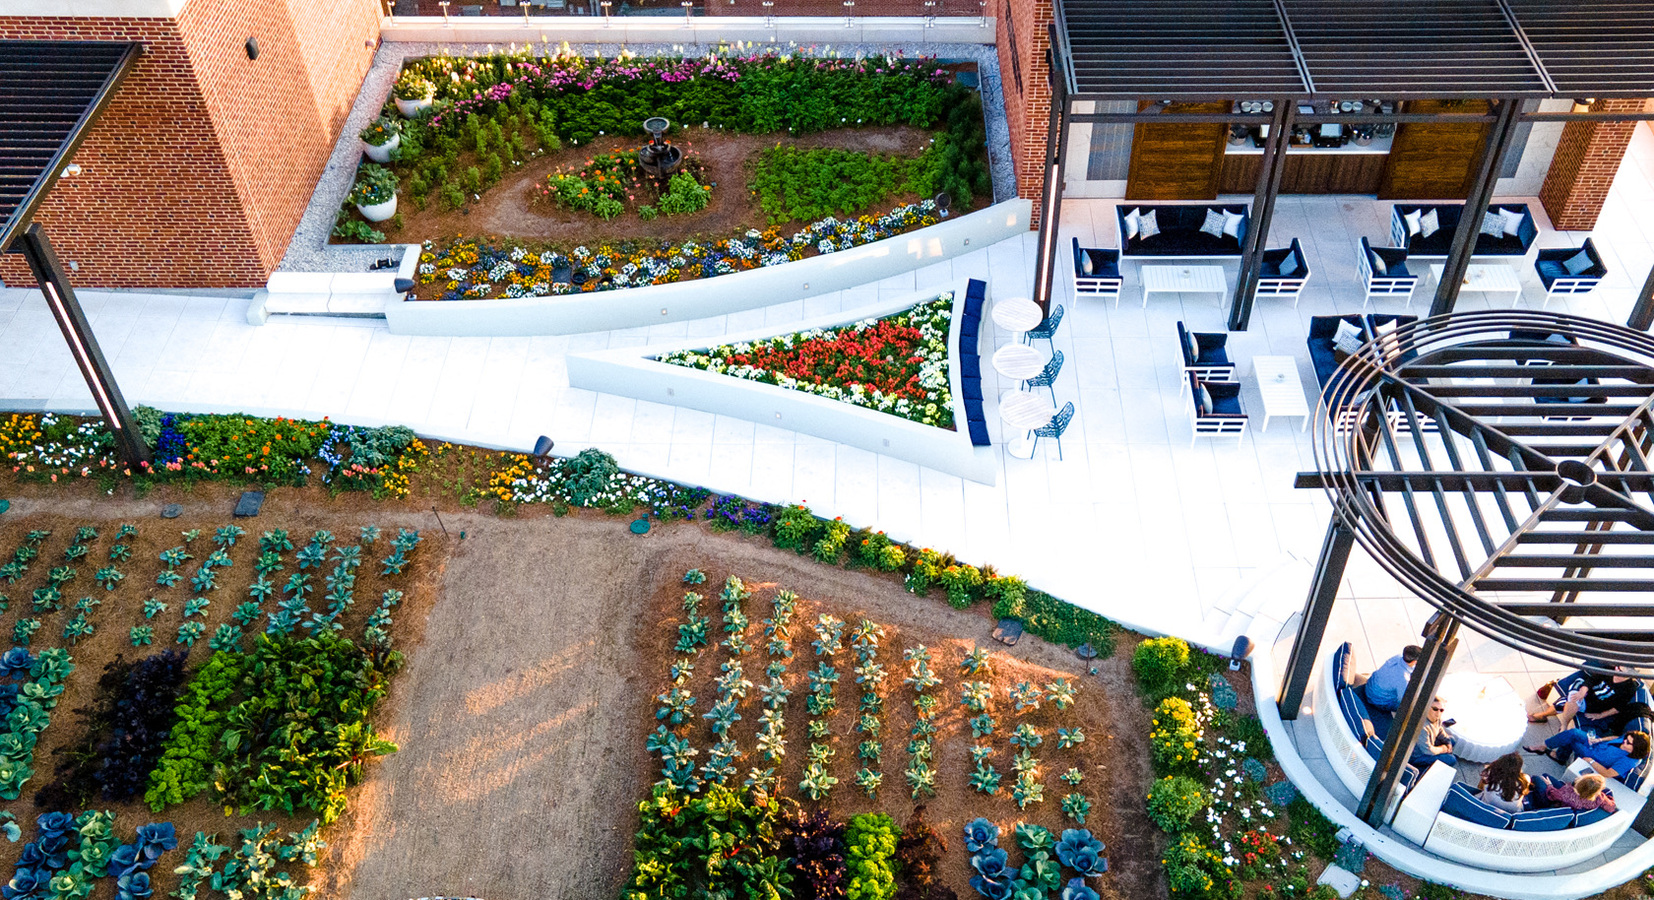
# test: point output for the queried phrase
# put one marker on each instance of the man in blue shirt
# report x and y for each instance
(1384, 687)
(1609, 757)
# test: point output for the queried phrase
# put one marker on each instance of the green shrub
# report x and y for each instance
(606, 208)
(962, 582)
(870, 850)
(1249, 730)
(1175, 739)
(831, 544)
(926, 571)
(452, 196)
(374, 184)
(809, 184)
(647, 213)
(1174, 802)
(492, 169)
(588, 475)
(796, 527)
(1195, 871)
(1161, 664)
(684, 195)
(1061, 622)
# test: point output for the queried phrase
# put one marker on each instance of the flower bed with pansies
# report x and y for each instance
(897, 364)
(469, 269)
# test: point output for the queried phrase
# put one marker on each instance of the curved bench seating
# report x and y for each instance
(970, 361)
(1344, 726)
(1539, 840)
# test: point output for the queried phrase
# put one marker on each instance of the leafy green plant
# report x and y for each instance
(1175, 801)
(23, 631)
(141, 635)
(374, 184)
(153, 607)
(722, 843)
(190, 632)
(1160, 664)
(870, 850)
(684, 195)
(588, 476)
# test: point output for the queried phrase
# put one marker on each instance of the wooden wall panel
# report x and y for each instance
(1432, 161)
(1177, 162)
(1307, 173)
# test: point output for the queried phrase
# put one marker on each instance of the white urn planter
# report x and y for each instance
(411, 108)
(378, 212)
(382, 153)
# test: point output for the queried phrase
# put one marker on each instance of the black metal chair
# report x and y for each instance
(1047, 329)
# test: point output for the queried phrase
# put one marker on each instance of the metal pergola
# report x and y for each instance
(1504, 52)
(1498, 465)
(50, 94)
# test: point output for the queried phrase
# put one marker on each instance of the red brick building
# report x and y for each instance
(204, 160)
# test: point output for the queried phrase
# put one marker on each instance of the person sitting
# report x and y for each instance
(1383, 689)
(1589, 791)
(1503, 784)
(1610, 757)
(1434, 743)
(1601, 704)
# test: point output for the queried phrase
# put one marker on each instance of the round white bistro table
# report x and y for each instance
(1024, 412)
(1491, 720)
(1018, 362)
(1017, 314)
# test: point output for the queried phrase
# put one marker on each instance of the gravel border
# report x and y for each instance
(309, 250)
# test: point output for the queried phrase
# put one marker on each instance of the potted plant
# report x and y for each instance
(375, 192)
(381, 138)
(413, 93)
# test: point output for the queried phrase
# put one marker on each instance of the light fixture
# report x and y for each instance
(1583, 104)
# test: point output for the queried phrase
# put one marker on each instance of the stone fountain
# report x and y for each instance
(658, 158)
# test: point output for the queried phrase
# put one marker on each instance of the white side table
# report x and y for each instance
(1024, 412)
(1018, 362)
(1183, 279)
(1017, 314)
(1280, 387)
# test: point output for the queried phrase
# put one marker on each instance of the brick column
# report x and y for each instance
(1587, 158)
(1023, 39)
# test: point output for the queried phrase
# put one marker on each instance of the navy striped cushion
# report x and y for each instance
(1543, 820)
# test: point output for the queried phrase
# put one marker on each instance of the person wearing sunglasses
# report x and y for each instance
(1610, 757)
(1435, 744)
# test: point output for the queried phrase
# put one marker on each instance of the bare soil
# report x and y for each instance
(509, 209)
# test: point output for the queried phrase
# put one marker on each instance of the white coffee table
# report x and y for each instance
(1490, 719)
(1491, 278)
(1183, 279)
(1282, 391)
(1024, 412)
(1016, 314)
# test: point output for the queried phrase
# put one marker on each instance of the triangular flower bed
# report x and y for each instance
(897, 364)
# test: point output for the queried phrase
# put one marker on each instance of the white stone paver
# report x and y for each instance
(1132, 522)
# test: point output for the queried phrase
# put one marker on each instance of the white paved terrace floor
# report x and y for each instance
(1132, 522)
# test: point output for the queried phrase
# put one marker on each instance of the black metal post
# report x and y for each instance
(1263, 210)
(1306, 644)
(1481, 194)
(1642, 312)
(1056, 141)
(1440, 640)
(60, 296)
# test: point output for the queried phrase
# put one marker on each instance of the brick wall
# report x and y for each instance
(1587, 158)
(1023, 38)
(199, 169)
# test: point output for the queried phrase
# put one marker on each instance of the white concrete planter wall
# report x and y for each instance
(703, 297)
(679, 30)
(634, 373)
(333, 293)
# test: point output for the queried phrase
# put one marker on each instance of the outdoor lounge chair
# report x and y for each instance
(1552, 267)
(1284, 273)
(1204, 354)
(1383, 272)
(1097, 273)
(1215, 409)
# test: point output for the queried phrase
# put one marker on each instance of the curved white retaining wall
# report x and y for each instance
(633, 372)
(703, 297)
(1272, 626)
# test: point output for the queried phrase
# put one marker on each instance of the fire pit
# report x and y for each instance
(658, 158)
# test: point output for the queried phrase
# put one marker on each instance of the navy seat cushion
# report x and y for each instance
(976, 288)
(1226, 404)
(1438, 243)
(971, 388)
(973, 305)
(968, 329)
(1341, 664)
(1591, 816)
(1103, 264)
(970, 365)
(1461, 803)
(1549, 271)
(1352, 713)
(978, 431)
(1212, 356)
(1180, 233)
(1543, 820)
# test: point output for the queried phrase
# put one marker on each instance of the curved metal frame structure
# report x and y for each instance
(1501, 466)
